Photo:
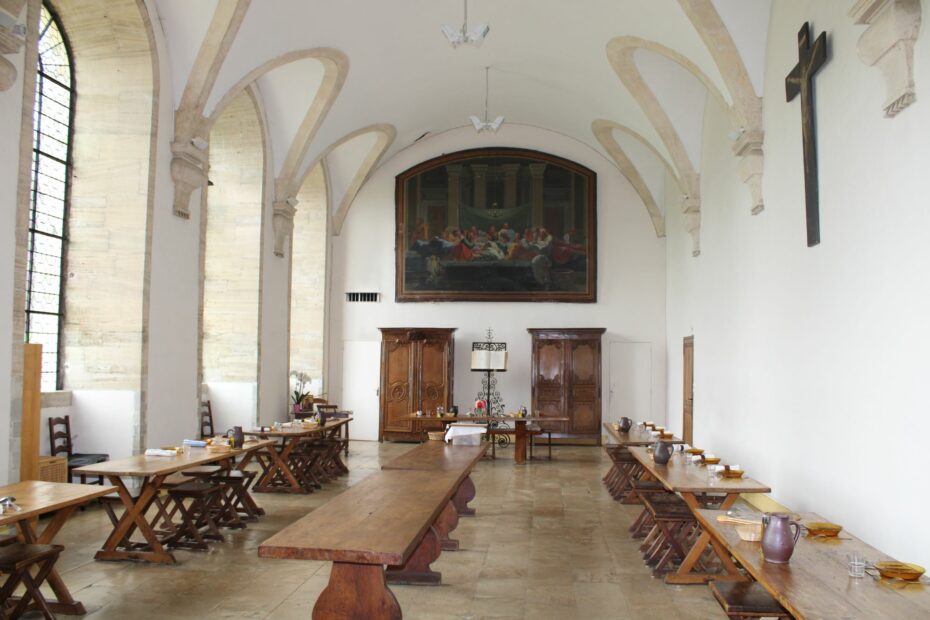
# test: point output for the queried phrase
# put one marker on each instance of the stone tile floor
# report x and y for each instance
(547, 542)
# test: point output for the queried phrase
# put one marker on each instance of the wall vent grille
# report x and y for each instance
(363, 297)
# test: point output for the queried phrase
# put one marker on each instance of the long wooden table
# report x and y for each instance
(279, 476)
(37, 498)
(815, 584)
(691, 481)
(387, 519)
(440, 456)
(636, 437)
(153, 470)
(520, 432)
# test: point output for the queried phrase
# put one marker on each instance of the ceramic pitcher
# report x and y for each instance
(777, 539)
(663, 451)
(625, 424)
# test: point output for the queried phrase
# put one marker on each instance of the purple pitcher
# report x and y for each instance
(662, 452)
(777, 540)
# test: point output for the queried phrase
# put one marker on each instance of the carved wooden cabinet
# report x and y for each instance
(416, 374)
(566, 376)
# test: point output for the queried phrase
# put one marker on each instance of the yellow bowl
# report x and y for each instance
(732, 473)
(712, 460)
(899, 570)
(695, 450)
(823, 528)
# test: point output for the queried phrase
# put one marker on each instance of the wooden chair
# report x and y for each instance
(60, 440)
(206, 420)
(17, 560)
(745, 600)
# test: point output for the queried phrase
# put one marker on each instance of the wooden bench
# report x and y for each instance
(440, 456)
(388, 519)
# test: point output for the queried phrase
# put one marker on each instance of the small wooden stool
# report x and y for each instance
(16, 560)
(197, 523)
(741, 600)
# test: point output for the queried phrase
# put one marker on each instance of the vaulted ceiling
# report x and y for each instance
(629, 78)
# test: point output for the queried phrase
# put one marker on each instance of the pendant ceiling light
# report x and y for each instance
(486, 125)
(462, 36)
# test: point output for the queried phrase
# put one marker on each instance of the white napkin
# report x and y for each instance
(160, 452)
(694, 457)
(195, 443)
(709, 455)
(736, 467)
(715, 468)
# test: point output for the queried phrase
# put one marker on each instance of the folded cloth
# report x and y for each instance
(695, 458)
(160, 452)
(195, 443)
(460, 430)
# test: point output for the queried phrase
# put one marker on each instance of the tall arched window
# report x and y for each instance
(51, 171)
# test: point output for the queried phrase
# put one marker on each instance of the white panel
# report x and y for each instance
(748, 23)
(102, 421)
(361, 378)
(682, 96)
(233, 404)
(630, 382)
(343, 163)
(649, 166)
(287, 93)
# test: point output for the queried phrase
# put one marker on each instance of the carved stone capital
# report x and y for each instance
(888, 44)
(282, 222)
(188, 171)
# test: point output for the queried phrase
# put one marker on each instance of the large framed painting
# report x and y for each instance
(497, 224)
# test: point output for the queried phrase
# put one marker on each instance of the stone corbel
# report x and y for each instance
(282, 222)
(691, 214)
(188, 171)
(748, 147)
(11, 41)
(888, 44)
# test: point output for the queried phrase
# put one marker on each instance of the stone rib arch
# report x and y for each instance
(603, 132)
(620, 52)
(385, 137)
(288, 181)
(747, 106)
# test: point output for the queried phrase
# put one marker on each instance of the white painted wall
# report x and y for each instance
(102, 421)
(11, 103)
(233, 404)
(631, 278)
(810, 369)
(174, 289)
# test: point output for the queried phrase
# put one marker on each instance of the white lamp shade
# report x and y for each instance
(489, 360)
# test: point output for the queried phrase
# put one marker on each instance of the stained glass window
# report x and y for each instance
(51, 171)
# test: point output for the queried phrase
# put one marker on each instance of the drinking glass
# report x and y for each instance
(856, 564)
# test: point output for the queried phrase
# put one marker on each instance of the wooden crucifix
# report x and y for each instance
(801, 82)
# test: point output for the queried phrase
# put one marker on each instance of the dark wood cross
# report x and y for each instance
(801, 81)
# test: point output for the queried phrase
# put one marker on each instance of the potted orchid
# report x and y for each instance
(300, 394)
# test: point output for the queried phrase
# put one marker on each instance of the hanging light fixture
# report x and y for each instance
(486, 125)
(462, 36)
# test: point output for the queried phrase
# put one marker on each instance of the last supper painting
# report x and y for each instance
(496, 224)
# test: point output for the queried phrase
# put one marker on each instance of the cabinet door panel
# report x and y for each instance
(584, 397)
(434, 380)
(396, 389)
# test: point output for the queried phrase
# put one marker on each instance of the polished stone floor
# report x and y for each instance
(547, 542)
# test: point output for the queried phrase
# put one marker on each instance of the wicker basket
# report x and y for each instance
(436, 435)
(53, 468)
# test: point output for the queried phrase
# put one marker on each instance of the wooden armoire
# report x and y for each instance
(416, 375)
(566, 376)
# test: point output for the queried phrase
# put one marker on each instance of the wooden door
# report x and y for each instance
(548, 377)
(688, 389)
(397, 356)
(433, 378)
(583, 394)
